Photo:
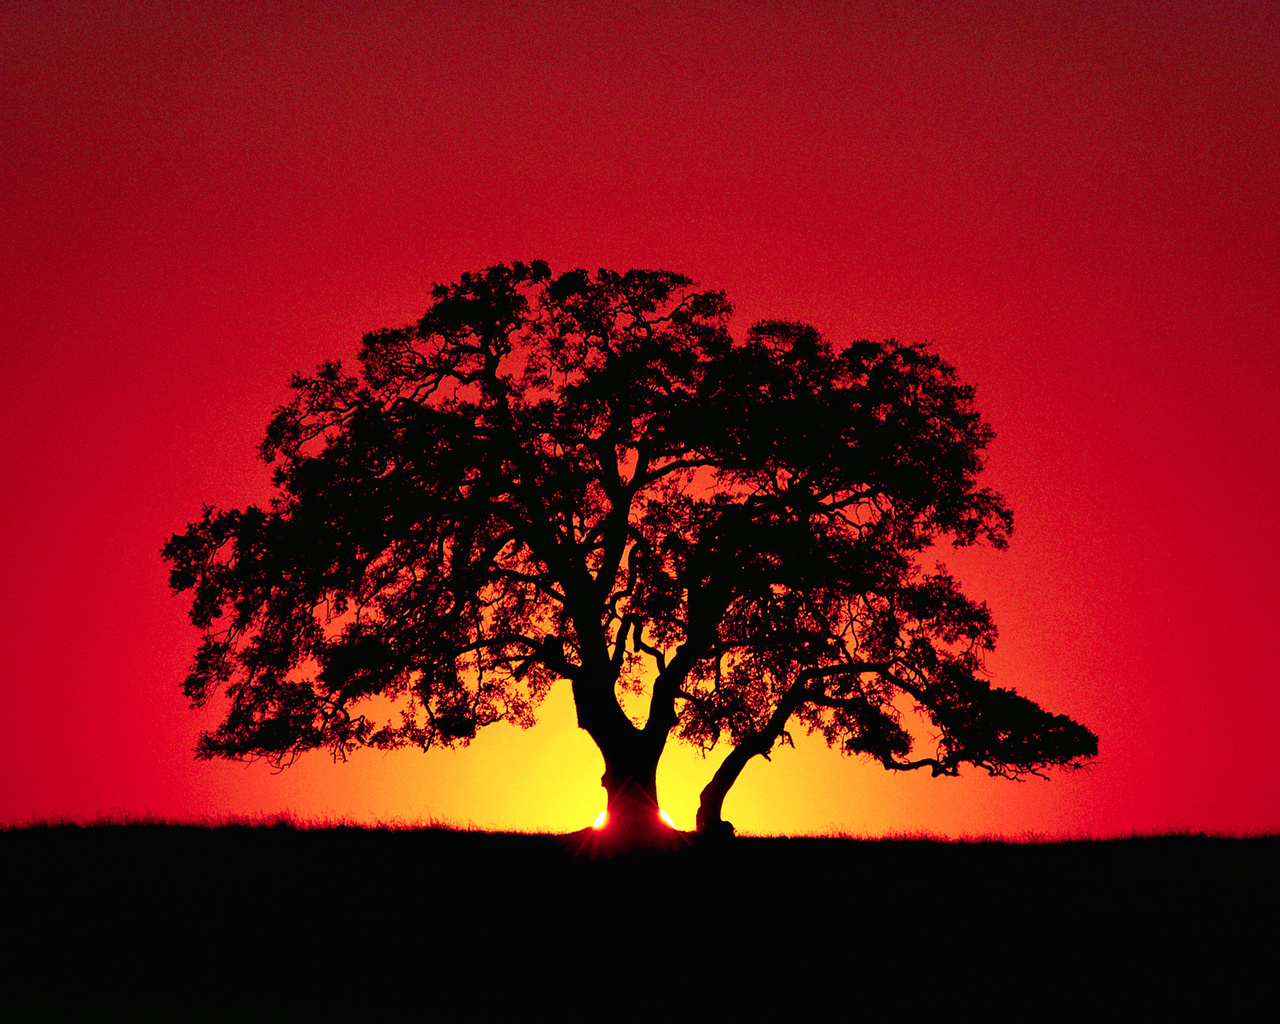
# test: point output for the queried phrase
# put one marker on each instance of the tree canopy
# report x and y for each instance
(585, 479)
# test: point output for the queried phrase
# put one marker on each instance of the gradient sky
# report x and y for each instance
(1079, 203)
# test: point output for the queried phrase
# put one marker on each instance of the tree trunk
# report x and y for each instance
(711, 803)
(630, 774)
(630, 783)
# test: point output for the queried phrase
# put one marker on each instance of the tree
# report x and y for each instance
(585, 479)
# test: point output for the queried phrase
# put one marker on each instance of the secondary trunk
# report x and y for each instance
(711, 802)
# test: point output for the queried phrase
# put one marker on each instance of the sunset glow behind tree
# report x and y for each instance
(1078, 207)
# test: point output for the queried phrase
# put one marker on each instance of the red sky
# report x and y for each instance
(1079, 203)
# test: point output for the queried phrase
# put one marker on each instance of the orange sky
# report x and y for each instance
(1080, 204)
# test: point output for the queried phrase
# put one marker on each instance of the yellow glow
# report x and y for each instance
(601, 818)
(666, 817)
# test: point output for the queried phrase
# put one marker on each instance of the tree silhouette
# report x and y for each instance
(585, 478)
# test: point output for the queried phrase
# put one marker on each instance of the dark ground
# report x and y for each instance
(281, 923)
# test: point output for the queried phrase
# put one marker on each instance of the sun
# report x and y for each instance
(603, 817)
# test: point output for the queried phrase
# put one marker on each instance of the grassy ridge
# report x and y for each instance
(275, 921)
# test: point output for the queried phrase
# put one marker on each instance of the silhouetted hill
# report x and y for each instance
(273, 922)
